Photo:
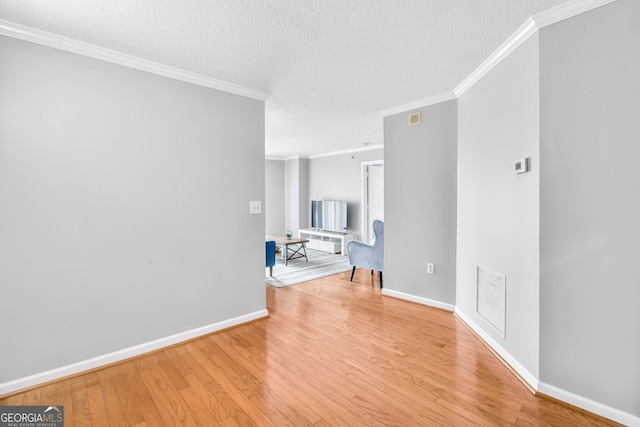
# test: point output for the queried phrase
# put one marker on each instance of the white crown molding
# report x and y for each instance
(520, 36)
(328, 154)
(22, 32)
(614, 414)
(425, 102)
(566, 11)
(127, 353)
(294, 157)
(347, 151)
(526, 30)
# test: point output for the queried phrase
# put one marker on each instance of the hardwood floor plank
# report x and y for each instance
(219, 402)
(295, 409)
(172, 408)
(128, 398)
(80, 402)
(140, 395)
(238, 383)
(116, 412)
(201, 413)
(363, 376)
(97, 406)
(299, 375)
(170, 370)
(332, 353)
(346, 379)
(260, 399)
(62, 392)
(48, 393)
(207, 400)
(81, 412)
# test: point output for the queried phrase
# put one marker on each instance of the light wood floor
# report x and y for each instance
(332, 353)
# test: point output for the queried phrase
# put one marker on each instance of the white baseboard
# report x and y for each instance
(531, 381)
(526, 376)
(419, 300)
(547, 389)
(116, 356)
(589, 405)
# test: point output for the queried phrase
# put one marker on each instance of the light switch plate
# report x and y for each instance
(255, 207)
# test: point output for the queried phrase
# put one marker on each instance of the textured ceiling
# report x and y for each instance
(330, 65)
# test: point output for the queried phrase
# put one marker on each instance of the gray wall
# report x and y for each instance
(291, 195)
(123, 209)
(274, 197)
(420, 203)
(304, 215)
(338, 177)
(590, 210)
(498, 212)
(296, 194)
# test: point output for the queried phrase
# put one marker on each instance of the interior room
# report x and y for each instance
(134, 139)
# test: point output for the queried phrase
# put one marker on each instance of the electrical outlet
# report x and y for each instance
(255, 207)
(430, 268)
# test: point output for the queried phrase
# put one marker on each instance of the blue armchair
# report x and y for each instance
(271, 255)
(368, 256)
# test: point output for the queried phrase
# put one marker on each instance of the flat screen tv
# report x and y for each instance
(329, 215)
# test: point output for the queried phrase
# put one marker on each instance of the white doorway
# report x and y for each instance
(372, 197)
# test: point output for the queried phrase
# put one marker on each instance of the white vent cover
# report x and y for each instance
(491, 297)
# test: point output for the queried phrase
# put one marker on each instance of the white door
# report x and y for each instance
(375, 197)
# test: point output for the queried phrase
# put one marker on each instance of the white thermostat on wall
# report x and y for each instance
(521, 165)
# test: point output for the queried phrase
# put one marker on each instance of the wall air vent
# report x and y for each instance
(414, 119)
(491, 297)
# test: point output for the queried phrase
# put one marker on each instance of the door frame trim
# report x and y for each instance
(364, 199)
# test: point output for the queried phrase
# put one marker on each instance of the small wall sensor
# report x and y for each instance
(414, 119)
(521, 165)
